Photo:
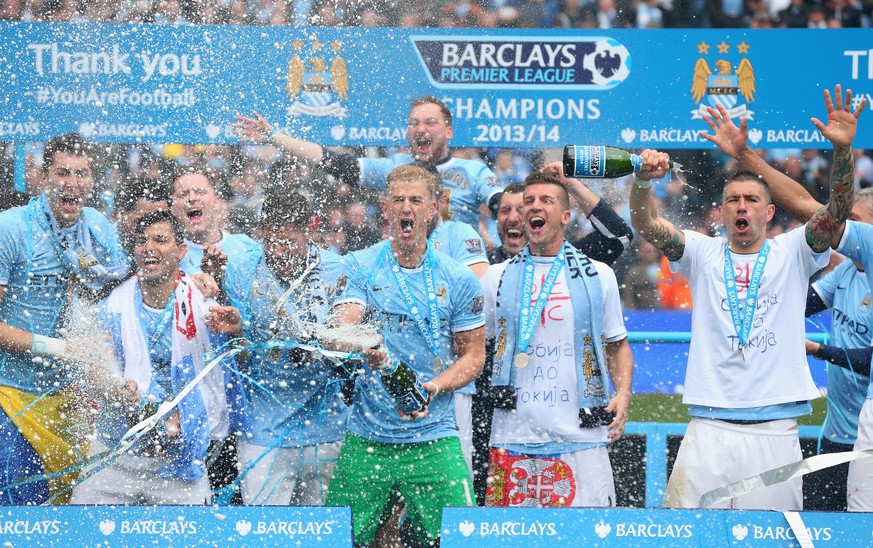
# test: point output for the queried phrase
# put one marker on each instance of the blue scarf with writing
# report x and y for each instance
(583, 285)
(78, 248)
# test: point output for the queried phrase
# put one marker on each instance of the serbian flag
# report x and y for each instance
(531, 481)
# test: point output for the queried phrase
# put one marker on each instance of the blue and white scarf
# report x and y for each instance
(190, 343)
(583, 285)
(76, 247)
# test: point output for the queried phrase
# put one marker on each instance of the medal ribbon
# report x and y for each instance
(156, 332)
(528, 319)
(743, 326)
(431, 334)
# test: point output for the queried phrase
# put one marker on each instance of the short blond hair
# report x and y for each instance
(411, 173)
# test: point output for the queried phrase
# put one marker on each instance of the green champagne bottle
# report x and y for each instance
(600, 162)
(402, 383)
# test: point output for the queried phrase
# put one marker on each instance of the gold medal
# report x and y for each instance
(743, 351)
(521, 360)
(438, 364)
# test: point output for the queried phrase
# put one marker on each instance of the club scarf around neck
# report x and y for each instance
(76, 247)
(583, 286)
(190, 342)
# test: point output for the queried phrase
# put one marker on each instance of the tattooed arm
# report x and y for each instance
(644, 217)
(825, 228)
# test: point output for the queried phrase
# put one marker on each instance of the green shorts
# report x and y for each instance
(370, 475)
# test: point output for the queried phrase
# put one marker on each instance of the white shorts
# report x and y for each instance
(286, 476)
(134, 480)
(539, 481)
(716, 453)
(464, 418)
(859, 487)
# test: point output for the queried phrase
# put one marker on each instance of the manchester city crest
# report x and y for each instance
(730, 81)
(317, 82)
(865, 304)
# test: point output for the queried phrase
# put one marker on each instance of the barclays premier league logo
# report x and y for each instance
(730, 81)
(513, 62)
(318, 79)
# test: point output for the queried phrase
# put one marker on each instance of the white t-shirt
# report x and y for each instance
(548, 403)
(775, 370)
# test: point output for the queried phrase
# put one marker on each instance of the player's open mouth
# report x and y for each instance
(742, 224)
(406, 225)
(195, 213)
(71, 200)
(151, 261)
(536, 223)
(514, 233)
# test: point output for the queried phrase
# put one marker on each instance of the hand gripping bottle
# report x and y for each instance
(601, 162)
(402, 383)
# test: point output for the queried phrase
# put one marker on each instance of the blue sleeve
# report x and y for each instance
(857, 243)
(467, 246)
(374, 171)
(10, 240)
(247, 243)
(106, 235)
(353, 288)
(233, 284)
(486, 185)
(111, 323)
(331, 276)
(218, 341)
(468, 302)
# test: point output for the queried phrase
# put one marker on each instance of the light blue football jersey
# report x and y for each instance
(846, 292)
(460, 242)
(38, 288)
(231, 244)
(463, 244)
(857, 244)
(460, 301)
(289, 406)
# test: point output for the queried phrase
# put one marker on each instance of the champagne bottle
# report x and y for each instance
(589, 162)
(402, 383)
(152, 439)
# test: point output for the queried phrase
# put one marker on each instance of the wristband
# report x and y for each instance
(436, 391)
(641, 183)
(48, 346)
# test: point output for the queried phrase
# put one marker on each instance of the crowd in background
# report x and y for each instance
(602, 14)
(349, 218)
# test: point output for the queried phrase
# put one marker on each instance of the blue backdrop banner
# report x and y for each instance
(323, 527)
(636, 528)
(352, 86)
